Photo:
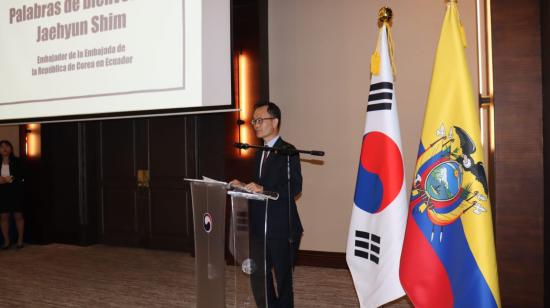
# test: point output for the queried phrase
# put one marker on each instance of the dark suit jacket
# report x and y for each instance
(274, 178)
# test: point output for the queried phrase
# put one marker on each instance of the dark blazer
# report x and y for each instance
(274, 178)
(16, 170)
(11, 195)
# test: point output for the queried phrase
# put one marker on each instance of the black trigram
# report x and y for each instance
(367, 245)
(381, 96)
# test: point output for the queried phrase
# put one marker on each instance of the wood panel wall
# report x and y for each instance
(545, 17)
(519, 187)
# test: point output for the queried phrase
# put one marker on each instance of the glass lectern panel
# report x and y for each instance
(209, 226)
(245, 285)
(247, 246)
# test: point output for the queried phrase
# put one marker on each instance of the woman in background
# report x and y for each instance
(11, 194)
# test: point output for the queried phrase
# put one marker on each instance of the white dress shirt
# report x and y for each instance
(5, 170)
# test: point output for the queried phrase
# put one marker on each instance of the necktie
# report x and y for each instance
(266, 154)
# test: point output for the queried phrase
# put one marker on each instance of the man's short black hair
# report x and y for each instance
(272, 109)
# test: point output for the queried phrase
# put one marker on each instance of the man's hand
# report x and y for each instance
(237, 183)
(6, 179)
(254, 187)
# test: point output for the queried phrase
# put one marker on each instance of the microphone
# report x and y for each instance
(243, 146)
(317, 153)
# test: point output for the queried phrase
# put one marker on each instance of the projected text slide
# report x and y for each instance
(95, 59)
(79, 48)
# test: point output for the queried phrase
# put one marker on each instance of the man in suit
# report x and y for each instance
(284, 228)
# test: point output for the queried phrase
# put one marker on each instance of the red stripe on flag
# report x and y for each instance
(422, 274)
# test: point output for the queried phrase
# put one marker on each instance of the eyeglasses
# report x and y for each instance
(259, 121)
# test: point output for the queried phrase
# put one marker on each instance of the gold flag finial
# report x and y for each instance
(385, 14)
(385, 17)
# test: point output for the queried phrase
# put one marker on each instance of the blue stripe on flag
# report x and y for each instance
(468, 284)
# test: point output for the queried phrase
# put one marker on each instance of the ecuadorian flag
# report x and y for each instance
(448, 257)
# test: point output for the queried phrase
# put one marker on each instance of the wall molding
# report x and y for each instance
(322, 259)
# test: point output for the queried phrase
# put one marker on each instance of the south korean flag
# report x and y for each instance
(379, 213)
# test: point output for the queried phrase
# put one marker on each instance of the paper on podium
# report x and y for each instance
(269, 194)
(207, 179)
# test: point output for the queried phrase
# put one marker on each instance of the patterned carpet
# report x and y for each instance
(103, 276)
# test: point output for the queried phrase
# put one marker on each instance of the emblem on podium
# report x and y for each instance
(207, 222)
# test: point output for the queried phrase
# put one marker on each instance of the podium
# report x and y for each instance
(241, 283)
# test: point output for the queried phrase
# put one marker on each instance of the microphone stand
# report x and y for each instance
(290, 236)
(287, 152)
(278, 150)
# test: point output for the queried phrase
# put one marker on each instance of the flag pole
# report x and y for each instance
(385, 17)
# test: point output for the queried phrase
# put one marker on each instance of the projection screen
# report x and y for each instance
(78, 59)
